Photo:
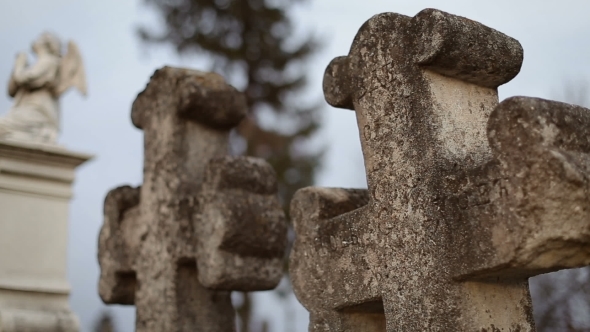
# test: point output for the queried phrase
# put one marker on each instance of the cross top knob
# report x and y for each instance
(192, 95)
(422, 89)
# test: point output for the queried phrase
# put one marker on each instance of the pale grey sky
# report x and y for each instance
(555, 36)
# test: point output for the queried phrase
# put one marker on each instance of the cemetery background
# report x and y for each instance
(557, 57)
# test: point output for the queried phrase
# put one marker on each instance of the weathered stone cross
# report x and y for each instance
(466, 200)
(202, 224)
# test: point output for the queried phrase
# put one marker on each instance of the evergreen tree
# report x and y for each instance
(104, 323)
(253, 41)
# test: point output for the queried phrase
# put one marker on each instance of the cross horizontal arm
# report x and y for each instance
(323, 218)
(533, 212)
(241, 226)
(118, 245)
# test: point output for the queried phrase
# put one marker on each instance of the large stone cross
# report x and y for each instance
(202, 223)
(466, 199)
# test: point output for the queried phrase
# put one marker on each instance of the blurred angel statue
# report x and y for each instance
(35, 114)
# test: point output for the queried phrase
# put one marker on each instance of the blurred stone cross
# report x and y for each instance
(466, 198)
(202, 224)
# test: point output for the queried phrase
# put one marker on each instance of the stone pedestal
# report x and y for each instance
(35, 190)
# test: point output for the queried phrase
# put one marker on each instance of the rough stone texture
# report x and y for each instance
(466, 200)
(202, 224)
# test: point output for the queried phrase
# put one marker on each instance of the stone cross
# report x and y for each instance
(202, 224)
(466, 198)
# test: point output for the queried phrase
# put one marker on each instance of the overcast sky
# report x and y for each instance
(555, 36)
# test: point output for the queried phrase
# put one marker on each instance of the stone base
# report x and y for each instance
(35, 191)
(22, 320)
(24, 311)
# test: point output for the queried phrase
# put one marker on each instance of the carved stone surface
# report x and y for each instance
(35, 114)
(466, 199)
(202, 224)
(35, 192)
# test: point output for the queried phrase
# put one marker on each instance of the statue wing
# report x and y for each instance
(71, 71)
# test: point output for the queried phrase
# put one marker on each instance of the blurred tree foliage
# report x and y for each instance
(561, 300)
(104, 323)
(254, 44)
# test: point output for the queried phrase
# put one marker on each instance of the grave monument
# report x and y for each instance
(202, 224)
(36, 176)
(467, 198)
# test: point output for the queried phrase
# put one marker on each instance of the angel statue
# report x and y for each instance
(34, 116)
